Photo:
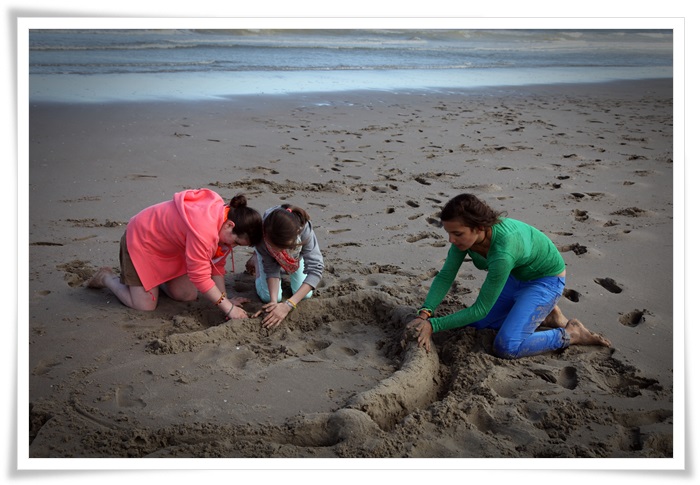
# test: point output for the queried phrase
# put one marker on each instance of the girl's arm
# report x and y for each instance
(219, 283)
(218, 297)
(443, 280)
(273, 286)
(313, 258)
(496, 278)
(277, 312)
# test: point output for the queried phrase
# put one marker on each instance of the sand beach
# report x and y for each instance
(591, 165)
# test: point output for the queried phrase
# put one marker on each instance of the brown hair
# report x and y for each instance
(283, 226)
(246, 220)
(471, 211)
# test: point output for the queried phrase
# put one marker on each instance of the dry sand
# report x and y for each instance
(590, 165)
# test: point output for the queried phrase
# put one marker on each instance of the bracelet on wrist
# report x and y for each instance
(291, 304)
(425, 311)
(221, 298)
(229, 312)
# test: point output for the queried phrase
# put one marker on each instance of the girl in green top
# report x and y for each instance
(525, 278)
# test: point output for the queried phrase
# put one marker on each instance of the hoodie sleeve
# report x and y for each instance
(199, 264)
(203, 212)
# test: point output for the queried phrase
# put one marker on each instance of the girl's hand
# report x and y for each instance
(422, 330)
(239, 300)
(237, 312)
(276, 313)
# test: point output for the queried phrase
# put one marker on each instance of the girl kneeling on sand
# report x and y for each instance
(525, 278)
(289, 245)
(181, 246)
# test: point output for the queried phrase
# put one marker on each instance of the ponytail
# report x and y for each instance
(300, 213)
(246, 220)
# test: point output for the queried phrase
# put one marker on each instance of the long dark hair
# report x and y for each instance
(282, 226)
(471, 211)
(247, 221)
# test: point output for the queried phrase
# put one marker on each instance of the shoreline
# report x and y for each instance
(609, 87)
(591, 165)
(145, 87)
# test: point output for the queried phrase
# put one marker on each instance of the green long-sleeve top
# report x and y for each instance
(516, 248)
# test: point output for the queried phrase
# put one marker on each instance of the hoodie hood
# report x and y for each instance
(201, 210)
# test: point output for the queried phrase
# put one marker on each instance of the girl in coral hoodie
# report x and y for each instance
(181, 247)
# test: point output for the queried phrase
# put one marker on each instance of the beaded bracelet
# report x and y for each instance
(426, 311)
(223, 295)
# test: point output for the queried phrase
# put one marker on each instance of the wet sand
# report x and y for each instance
(590, 165)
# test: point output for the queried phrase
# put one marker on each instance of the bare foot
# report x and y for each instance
(98, 279)
(580, 335)
(555, 319)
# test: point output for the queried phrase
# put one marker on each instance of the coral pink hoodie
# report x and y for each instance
(177, 237)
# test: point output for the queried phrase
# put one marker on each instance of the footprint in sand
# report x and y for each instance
(345, 245)
(609, 284)
(434, 222)
(546, 375)
(580, 215)
(630, 212)
(423, 235)
(625, 381)
(43, 292)
(571, 295)
(263, 170)
(576, 248)
(126, 399)
(317, 345)
(77, 272)
(568, 378)
(633, 318)
(349, 351)
(44, 366)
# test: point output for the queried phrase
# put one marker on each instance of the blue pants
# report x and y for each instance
(519, 310)
(296, 280)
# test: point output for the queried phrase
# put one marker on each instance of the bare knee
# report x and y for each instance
(183, 295)
(145, 301)
(146, 306)
(179, 291)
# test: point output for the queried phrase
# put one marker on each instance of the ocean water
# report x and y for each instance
(134, 65)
